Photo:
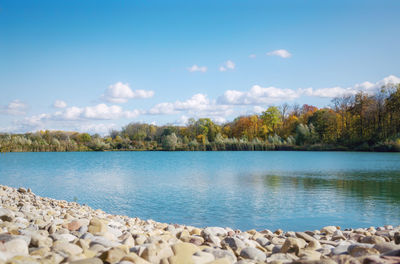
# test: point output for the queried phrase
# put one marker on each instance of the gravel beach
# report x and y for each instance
(35, 229)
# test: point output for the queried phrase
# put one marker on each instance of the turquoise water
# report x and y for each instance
(245, 190)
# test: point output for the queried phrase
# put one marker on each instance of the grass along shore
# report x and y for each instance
(43, 230)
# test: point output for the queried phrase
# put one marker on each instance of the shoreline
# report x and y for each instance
(43, 230)
(243, 150)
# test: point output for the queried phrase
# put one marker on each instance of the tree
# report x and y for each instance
(305, 134)
(325, 124)
(84, 138)
(271, 118)
(169, 142)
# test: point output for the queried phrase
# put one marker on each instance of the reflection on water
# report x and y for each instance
(290, 190)
(365, 186)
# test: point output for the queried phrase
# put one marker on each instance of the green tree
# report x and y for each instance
(271, 118)
(169, 142)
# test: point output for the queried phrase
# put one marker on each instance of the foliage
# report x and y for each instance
(361, 122)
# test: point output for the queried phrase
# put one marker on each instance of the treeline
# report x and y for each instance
(360, 122)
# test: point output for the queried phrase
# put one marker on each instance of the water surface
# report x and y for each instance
(245, 190)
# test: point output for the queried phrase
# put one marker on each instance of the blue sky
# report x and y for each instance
(109, 63)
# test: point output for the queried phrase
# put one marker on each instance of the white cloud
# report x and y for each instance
(101, 128)
(258, 109)
(31, 125)
(121, 93)
(230, 103)
(59, 104)
(196, 68)
(338, 91)
(15, 107)
(198, 105)
(79, 114)
(99, 112)
(373, 87)
(257, 95)
(196, 102)
(71, 113)
(252, 56)
(102, 111)
(76, 118)
(182, 121)
(218, 119)
(328, 92)
(228, 65)
(280, 53)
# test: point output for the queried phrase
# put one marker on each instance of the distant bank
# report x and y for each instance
(360, 122)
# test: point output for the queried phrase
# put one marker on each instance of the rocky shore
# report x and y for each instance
(34, 229)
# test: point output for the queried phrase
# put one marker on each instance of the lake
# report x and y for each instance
(245, 190)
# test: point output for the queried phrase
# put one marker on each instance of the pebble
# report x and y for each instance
(253, 253)
(35, 229)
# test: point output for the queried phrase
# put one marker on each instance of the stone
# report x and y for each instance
(305, 236)
(233, 242)
(23, 260)
(328, 242)
(216, 241)
(197, 240)
(183, 233)
(328, 229)
(282, 258)
(201, 257)
(253, 253)
(12, 248)
(277, 240)
(132, 257)
(220, 261)
(196, 231)
(113, 255)
(372, 240)
(392, 253)
(6, 215)
(42, 251)
(359, 251)
(384, 247)
(292, 245)
(345, 259)
(183, 253)
(21, 190)
(220, 253)
(114, 231)
(140, 239)
(164, 251)
(396, 237)
(305, 254)
(39, 240)
(276, 248)
(103, 241)
(313, 245)
(97, 227)
(342, 248)
(67, 237)
(88, 261)
(8, 237)
(128, 240)
(391, 260)
(215, 231)
(74, 225)
(150, 253)
(67, 248)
